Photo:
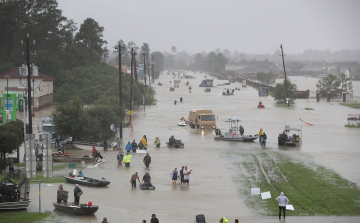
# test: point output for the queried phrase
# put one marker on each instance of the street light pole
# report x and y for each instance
(120, 48)
(33, 80)
(7, 96)
(287, 94)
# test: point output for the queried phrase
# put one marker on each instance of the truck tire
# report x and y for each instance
(197, 126)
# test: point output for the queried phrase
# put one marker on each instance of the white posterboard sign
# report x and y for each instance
(255, 191)
(266, 195)
(140, 151)
(290, 207)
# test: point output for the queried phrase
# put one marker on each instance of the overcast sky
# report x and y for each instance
(253, 26)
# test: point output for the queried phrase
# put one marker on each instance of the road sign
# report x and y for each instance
(141, 66)
(130, 112)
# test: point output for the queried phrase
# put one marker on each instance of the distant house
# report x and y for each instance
(314, 68)
(355, 74)
(42, 87)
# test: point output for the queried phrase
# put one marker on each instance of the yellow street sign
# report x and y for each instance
(130, 112)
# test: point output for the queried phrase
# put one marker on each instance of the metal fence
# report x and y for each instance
(349, 97)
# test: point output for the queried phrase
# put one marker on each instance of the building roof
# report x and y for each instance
(14, 74)
(355, 72)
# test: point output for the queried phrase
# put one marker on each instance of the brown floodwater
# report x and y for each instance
(212, 191)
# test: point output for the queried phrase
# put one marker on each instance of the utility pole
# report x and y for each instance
(120, 48)
(136, 76)
(131, 81)
(287, 93)
(29, 81)
(144, 70)
(149, 70)
(153, 67)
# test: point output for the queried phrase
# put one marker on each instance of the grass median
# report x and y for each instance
(312, 189)
(25, 217)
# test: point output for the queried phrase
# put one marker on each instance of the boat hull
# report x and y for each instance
(76, 210)
(240, 139)
(20, 205)
(87, 182)
(73, 159)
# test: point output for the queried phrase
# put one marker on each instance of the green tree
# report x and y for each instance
(345, 83)
(280, 92)
(7, 146)
(159, 60)
(328, 83)
(70, 119)
(11, 137)
(266, 78)
(90, 36)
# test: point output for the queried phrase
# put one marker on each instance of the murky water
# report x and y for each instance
(212, 191)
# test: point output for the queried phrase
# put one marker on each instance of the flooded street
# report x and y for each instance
(212, 191)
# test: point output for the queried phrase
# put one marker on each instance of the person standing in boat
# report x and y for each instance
(77, 193)
(59, 191)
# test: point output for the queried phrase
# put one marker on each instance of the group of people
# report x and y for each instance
(133, 146)
(146, 181)
(183, 176)
(262, 137)
(62, 195)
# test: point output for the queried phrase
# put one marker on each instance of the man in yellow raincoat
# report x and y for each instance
(127, 159)
(144, 142)
(260, 134)
(223, 220)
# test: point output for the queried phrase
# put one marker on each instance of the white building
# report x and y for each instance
(42, 86)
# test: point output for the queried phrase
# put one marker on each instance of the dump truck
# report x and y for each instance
(201, 119)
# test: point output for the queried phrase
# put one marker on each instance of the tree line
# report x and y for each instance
(76, 59)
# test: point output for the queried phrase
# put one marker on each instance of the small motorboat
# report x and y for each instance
(159, 84)
(178, 144)
(147, 187)
(177, 81)
(207, 89)
(82, 209)
(176, 85)
(87, 181)
(261, 106)
(235, 132)
(288, 138)
(172, 89)
(182, 123)
(237, 89)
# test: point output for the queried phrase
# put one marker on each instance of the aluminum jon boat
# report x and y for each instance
(82, 209)
(87, 181)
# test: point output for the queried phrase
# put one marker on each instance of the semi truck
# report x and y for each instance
(201, 119)
(206, 83)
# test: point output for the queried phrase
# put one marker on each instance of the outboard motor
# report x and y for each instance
(61, 149)
(200, 218)
(217, 132)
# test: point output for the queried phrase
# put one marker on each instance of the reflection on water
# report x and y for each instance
(212, 191)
